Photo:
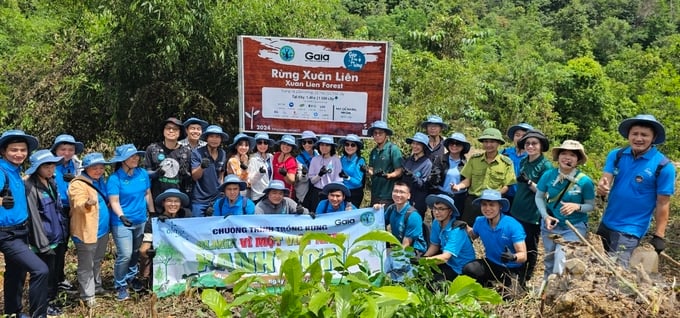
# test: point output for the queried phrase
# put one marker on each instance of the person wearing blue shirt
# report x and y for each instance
(15, 145)
(503, 240)
(306, 144)
(129, 190)
(515, 153)
(409, 233)
(639, 182)
(353, 167)
(338, 197)
(449, 242)
(447, 167)
(207, 170)
(233, 203)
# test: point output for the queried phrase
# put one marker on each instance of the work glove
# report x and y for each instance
(323, 171)
(209, 211)
(380, 174)
(205, 162)
(407, 172)
(125, 220)
(283, 171)
(263, 169)
(523, 178)
(244, 166)
(363, 168)
(68, 177)
(160, 172)
(508, 256)
(304, 170)
(312, 214)
(415, 260)
(343, 175)
(151, 252)
(659, 243)
(299, 209)
(162, 218)
(8, 202)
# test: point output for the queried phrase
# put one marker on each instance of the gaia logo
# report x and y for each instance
(367, 218)
(354, 60)
(287, 53)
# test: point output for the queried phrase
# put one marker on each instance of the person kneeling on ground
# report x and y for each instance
(338, 196)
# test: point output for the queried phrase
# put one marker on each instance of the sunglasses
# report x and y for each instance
(350, 144)
(308, 142)
(455, 143)
(262, 142)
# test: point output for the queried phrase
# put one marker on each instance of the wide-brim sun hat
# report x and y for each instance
(571, 145)
(514, 128)
(193, 120)
(214, 130)
(179, 124)
(434, 119)
(336, 186)
(459, 137)
(232, 179)
(67, 139)
(379, 124)
(420, 138)
(431, 199)
(94, 158)
(352, 138)
(124, 152)
(16, 134)
(276, 185)
(241, 136)
(172, 193)
(41, 157)
(492, 195)
(327, 140)
(264, 136)
(491, 134)
(308, 134)
(545, 144)
(647, 120)
(288, 140)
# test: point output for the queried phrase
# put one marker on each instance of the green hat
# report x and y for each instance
(492, 134)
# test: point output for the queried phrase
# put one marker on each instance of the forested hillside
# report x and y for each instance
(107, 71)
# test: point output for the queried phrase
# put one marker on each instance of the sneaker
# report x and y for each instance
(54, 311)
(99, 291)
(65, 285)
(122, 294)
(90, 302)
(136, 285)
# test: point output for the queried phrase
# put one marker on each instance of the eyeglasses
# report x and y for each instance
(532, 144)
(262, 142)
(350, 144)
(444, 209)
(308, 142)
(171, 128)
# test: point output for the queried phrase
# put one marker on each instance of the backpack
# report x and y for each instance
(664, 161)
(411, 209)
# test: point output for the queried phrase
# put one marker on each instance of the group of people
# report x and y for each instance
(508, 198)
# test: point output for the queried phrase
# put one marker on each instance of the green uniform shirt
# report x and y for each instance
(488, 175)
(386, 159)
(524, 205)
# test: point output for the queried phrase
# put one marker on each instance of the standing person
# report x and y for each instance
(276, 201)
(304, 158)
(338, 199)
(434, 126)
(207, 170)
(446, 170)
(129, 190)
(570, 197)
(168, 162)
(417, 168)
(284, 164)
(449, 241)
(47, 225)
(524, 208)
(353, 167)
(384, 163)
(90, 217)
(194, 128)
(239, 155)
(324, 169)
(503, 240)
(67, 147)
(233, 203)
(639, 182)
(15, 145)
(260, 169)
(487, 170)
(515, 153)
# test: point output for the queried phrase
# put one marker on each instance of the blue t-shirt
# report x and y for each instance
(453, 176)
(351, 166)
(205, 188)
(579, 192)
(454, 241)
(511, 152)
(326, 207)
(62, 186)
(19, 213)
(222, 207)
(632, 198)
(130, 191)
(508, 231)
(413, 230)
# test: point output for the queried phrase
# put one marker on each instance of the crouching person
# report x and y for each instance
(276, 201)
(172, 202)
(503, 240)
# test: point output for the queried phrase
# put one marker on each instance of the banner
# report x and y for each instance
(332, 87)
(205, 250)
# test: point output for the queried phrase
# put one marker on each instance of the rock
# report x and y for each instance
(575, 266)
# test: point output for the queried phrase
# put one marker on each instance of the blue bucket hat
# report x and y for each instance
(276, 185)
(434, 119)
(214, 130)
(172, 193)
(379, 124)
(124, 152)
(41, 157)
(242, 136)
(308, 134)
(493, 195)
(13, 134)
(328, 140)
(352, 138)
(535, 134)
(288, 140)
(232, 179)
(194, 120)
(645, 119)
(419, 137)
(67, 139)
(459, 137)
(264, 136)
(515, 128)
(431, 199)
(336, 186)
(95, 158)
